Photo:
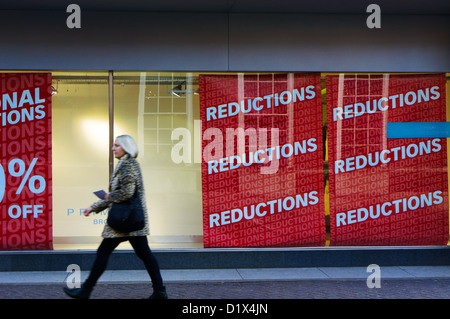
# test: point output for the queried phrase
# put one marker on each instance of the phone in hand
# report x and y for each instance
(100, 194)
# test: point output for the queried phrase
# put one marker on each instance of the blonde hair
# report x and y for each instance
(128, 145)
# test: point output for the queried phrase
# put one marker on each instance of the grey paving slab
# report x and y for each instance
(281, 274)
(200, 275)
(124, 276)
(388, 272)
(203, 275)
(363, 272)
(393, 272)
(32, 277)
(428, 272)
(342, 273)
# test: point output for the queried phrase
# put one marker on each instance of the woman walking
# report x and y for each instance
(126, 180)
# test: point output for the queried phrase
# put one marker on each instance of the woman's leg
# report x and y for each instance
(140, 246)
(101, 261)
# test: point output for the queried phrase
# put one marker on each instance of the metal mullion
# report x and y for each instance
(111, 121)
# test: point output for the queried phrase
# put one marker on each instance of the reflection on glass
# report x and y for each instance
(150, 106)
(80, 155)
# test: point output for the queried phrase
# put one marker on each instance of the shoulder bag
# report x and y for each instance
(127, 216)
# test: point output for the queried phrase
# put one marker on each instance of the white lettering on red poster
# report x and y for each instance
(25, 161)
(262, 168)
(386, 191)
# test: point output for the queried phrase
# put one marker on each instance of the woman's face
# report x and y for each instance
(118, 150)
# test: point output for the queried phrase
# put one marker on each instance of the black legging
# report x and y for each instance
(140, 246)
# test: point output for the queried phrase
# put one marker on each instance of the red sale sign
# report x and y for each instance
(386, 191)
(262, 168)
(25, 161)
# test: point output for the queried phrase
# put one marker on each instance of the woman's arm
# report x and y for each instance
(127, 175)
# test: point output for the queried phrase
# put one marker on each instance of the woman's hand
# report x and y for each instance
(106, 196)
(87, 211)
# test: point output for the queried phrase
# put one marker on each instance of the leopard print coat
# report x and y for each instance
(126, 178)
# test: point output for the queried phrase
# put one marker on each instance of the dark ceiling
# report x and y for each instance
(238, 6)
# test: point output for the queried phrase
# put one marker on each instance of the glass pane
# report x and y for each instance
(149, 106)
(387, 188)
(80, 156)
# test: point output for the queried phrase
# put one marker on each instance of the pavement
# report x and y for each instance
(399, 282)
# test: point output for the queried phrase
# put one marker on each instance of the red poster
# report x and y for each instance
(262, 168)
(386, 191)
(25, 161)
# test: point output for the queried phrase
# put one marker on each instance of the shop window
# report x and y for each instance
(80, 156)
(150, 106)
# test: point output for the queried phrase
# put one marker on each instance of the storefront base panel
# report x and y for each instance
(233, 258)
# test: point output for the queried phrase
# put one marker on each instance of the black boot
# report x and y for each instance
(159, 294)
(79, 293)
